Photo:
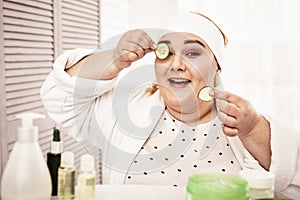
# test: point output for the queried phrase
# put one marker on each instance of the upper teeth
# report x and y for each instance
(179, 80)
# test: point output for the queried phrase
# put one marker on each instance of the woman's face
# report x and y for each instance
(189, 67)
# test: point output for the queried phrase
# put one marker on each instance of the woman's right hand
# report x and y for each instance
(133, 45)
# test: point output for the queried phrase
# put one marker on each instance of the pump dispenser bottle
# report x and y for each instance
(53, 159)
(66, 177)
(86, 178)
(26, 176)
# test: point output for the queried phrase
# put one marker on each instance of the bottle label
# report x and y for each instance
(86, 187)
(90, 181)
(56, 147)
(87, 181)
(66, 184)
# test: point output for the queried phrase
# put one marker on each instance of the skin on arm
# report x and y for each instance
(106, 65)
(240, 119)
(97, 66)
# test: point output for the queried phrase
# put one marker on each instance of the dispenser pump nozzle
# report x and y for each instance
(27, 118)
(27, 132)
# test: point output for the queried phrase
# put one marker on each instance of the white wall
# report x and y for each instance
(114, 18)
(149, 14)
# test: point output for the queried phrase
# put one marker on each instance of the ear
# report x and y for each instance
(218, 82)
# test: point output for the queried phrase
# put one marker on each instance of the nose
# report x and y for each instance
(177, 63)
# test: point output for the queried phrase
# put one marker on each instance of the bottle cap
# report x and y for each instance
(67, 159)
(87, 163)
(258, 178)
(27, 118)
(27, 132)
(56, 143)
(56, 135)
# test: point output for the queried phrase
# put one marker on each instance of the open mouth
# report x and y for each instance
(179, 81)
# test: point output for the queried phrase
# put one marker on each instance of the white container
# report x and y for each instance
(261, 183)
(26, 176)
(86, 178)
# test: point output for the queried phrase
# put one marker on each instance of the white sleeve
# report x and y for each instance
(285, 146)
(72, 101)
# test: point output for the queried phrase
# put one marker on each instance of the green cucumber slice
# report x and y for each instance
(203, 94)
(162, 51)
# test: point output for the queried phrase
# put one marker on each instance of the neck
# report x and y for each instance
(199, 116)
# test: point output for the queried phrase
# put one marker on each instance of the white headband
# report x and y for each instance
(201, 26)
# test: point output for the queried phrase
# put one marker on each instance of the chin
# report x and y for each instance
(182, 102)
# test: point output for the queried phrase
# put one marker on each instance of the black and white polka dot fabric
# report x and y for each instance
(172, 154)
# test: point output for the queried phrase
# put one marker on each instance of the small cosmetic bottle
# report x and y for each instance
(53, 159)
(261, 183)
(66, 177)
(86, 178)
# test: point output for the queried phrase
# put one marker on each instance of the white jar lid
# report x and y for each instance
(258, 178)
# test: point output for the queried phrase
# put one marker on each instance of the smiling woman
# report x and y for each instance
(165, 136)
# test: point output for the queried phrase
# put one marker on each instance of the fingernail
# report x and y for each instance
(154, 46)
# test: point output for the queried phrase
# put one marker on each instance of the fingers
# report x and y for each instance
(227, 120)
(229, 124)
(143, 39)
(133, 46)
(230, 131)
(137, 41)
(131, 52)
(228, 108)
(228, 113)
(237, 114)
(228, 96)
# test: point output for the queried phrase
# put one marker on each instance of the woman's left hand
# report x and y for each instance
(237, 114)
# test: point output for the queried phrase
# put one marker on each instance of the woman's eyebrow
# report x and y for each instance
(164, 41)
(194, 41)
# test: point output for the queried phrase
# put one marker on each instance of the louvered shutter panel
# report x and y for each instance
(80, 24)
(28, 57)
(34, 33)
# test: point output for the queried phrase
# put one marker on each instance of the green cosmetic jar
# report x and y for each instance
(213, 186)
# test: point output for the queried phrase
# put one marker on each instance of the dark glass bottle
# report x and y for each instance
(54, 158)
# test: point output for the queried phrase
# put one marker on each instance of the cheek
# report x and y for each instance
(205, 71)
(160, 71)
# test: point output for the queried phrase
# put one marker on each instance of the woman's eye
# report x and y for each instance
(192, 53)
(171, 53)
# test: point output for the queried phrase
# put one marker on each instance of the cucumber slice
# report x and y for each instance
(162, 51)
(203, 94)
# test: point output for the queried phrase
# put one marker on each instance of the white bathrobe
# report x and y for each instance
(76, 103)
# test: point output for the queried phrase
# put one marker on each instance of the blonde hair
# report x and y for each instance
(153, 88)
